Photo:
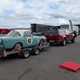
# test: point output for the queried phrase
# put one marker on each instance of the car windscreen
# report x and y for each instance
(53, 31)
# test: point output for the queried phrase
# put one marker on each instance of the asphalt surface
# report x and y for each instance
(44, 66)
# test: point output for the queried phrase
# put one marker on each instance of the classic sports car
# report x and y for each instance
(21, 42)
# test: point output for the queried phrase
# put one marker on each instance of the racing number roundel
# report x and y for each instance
(29, 40)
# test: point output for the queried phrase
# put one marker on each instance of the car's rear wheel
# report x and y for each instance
(21, 52)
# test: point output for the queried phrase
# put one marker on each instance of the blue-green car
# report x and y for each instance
(21, 42)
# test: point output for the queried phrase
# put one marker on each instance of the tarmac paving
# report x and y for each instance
(44, 66)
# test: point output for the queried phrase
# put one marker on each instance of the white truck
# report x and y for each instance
(68, 25)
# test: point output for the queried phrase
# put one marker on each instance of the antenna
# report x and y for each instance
(71, 25)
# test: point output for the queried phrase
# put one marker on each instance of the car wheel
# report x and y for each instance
(64, 43)
(47, 44)
(26, 54)
(51, 43)
(73, 40)
(18, 48)
(41, 44)
(36, 51)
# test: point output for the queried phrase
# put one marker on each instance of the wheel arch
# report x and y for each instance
(18, 43)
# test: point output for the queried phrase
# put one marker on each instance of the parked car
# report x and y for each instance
(4, 31)
(20, 42)
(60, 36)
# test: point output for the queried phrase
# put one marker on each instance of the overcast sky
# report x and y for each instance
(23, 12)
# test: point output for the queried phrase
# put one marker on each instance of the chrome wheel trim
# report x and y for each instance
(37, 51)
(26, 54)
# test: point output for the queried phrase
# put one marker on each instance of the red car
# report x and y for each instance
(4, 31)
(60, 36)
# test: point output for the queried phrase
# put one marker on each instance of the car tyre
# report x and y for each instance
(36, 51)
(26, 54)
(47, 44)
(41, 44)
(73, 40)
(64, 43)
(22, 53)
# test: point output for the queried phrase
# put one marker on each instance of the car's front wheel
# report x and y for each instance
(73, 40)
(41, 44)
(64, 43)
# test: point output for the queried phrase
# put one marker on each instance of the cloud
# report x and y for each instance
(40, 11)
